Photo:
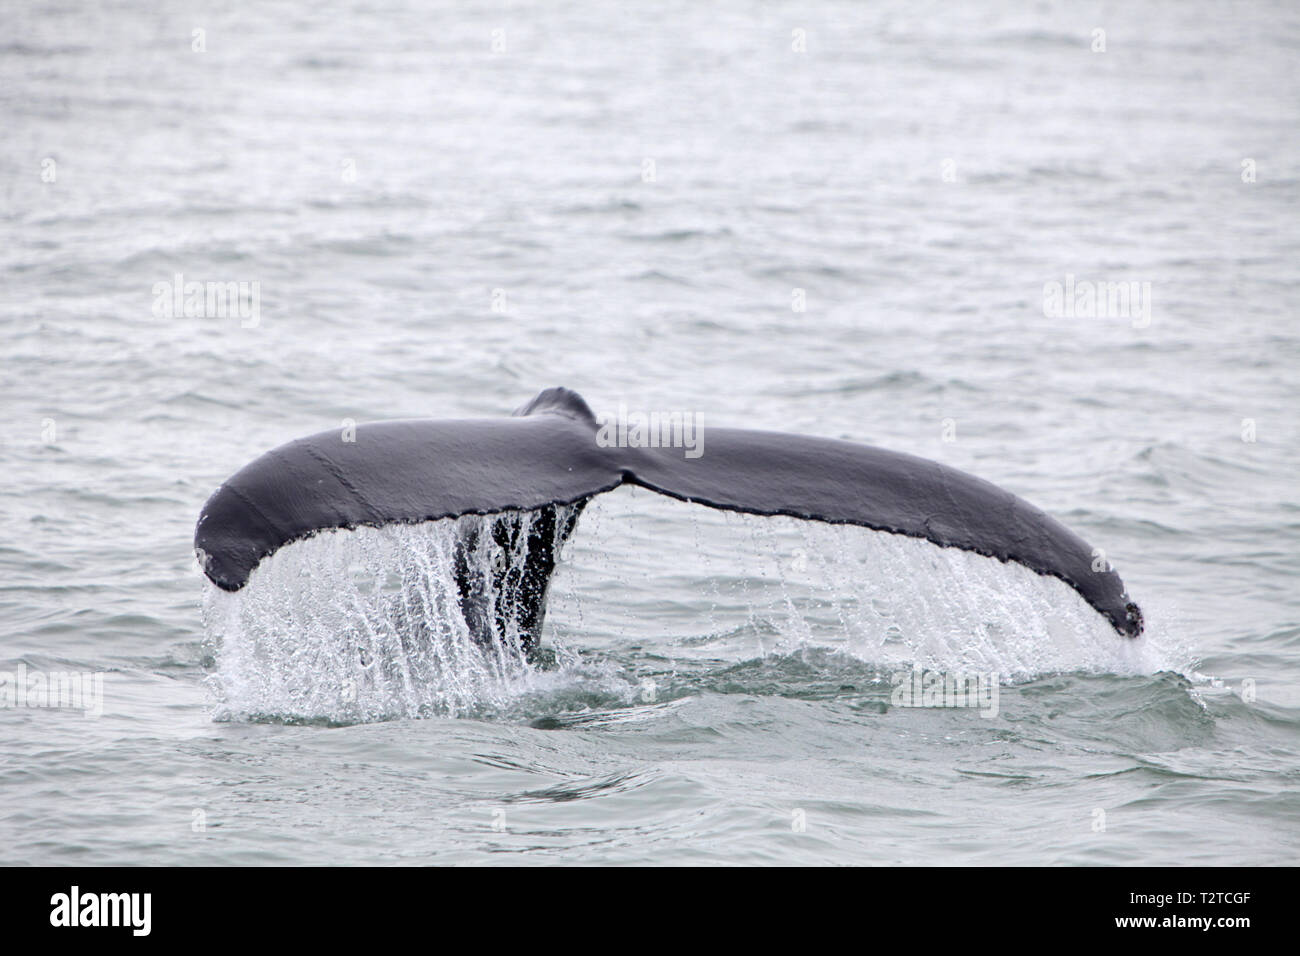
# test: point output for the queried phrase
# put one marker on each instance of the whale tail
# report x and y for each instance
(536, 470)
(507, 595)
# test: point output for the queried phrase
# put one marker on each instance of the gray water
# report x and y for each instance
(442, 219)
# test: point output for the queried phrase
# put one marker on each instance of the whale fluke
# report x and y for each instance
(548, 454)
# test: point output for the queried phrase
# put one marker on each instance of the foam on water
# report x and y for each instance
(366, 625)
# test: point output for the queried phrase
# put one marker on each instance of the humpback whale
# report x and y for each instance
(547, 456)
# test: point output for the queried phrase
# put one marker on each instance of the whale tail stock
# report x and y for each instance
(534, 472)
(503, 597)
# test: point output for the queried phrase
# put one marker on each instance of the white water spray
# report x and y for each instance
(369, 624)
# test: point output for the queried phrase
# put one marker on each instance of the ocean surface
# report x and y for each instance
(842, 219)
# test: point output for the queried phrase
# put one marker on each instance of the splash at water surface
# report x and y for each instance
(370, 624)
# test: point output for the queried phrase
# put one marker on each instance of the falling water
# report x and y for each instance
(370, 624)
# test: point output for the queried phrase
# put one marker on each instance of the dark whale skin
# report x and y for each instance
(547, 454)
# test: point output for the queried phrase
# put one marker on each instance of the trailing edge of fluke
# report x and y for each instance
(547, 454)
